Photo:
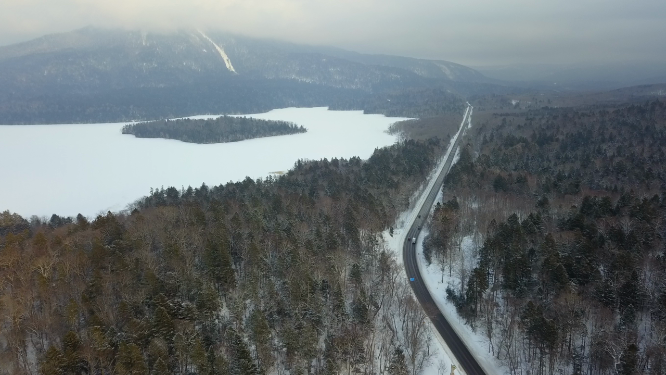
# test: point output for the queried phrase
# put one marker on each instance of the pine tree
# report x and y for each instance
(53, 363)
(338, 301)
(218, 263)
(163, 324)
(129, 360)
(355, 276)
(242, 363)
(73, 362)
(160, 367)
(628, 360)
(630, 293)
(261, 335)
(397, 365)
(158, 354)
(200, 357)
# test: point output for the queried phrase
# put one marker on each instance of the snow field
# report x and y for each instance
(108, 170)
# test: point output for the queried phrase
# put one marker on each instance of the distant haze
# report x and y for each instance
(474, 32)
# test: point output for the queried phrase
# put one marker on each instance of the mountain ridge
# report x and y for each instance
(69, 76)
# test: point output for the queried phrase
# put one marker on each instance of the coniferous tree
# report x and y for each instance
(218, 263)
(629, 360)
(397, 365)
(129, 360)
(241, 362)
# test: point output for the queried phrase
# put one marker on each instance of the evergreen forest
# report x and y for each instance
(282, 275)
(550, 240)
(552, 237)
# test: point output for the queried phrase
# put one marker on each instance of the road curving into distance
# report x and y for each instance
(462, 355)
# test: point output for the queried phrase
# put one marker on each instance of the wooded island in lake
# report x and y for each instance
(220, 130)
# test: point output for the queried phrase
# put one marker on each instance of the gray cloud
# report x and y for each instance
(476, 32)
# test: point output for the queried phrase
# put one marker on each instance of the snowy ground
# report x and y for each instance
(440, 363)
(418, 199)
(441, 360)
(437, 280)
(476, 342)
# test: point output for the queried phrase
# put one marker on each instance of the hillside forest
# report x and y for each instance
(551, 235)
(550, 238)
(219, 130)
(282, 275)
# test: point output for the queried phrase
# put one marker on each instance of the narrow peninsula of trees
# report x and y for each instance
(220, 130)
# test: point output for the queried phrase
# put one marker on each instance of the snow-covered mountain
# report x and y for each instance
(100, 74)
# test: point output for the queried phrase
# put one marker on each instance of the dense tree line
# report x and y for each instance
(566, 208)
(239, 95)
(280, 275)
(230, 95)
(406, 102)
(219, 130)
(12, 223)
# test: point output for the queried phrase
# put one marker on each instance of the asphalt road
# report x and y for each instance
(465, 359)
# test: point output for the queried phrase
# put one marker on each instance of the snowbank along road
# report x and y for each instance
(465, 359)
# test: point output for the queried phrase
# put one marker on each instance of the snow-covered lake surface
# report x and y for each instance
(93, 168)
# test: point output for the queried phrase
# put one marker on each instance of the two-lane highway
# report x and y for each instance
(455, 344)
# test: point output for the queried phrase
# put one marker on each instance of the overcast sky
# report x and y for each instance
(472, 32)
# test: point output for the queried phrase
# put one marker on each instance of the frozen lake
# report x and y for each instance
(93, 168)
